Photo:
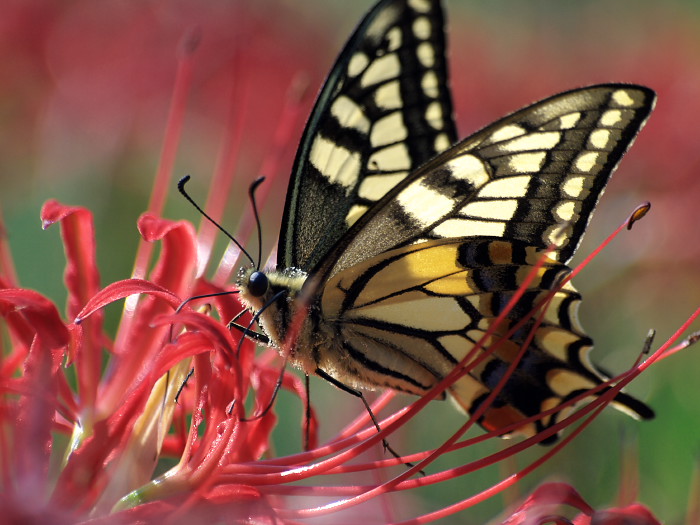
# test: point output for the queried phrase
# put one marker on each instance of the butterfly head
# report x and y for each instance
(254, 286)
(257, 283)
(270, 296)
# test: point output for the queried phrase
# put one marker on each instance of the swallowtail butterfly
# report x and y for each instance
(404, 244)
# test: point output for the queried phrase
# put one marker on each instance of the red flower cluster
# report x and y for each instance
(543, 505)
(87, 415)
(120, 421)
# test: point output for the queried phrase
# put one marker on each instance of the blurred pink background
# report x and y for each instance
(84, 94)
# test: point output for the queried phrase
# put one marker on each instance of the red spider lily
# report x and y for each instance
(120, 422)
(80, 443)
(542, 507)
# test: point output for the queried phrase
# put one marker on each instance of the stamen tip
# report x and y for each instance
(692, 339)
(638, 214)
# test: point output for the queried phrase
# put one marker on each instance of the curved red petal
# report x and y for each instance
(187, 345)
(39, 313)
(120, 290)
(546, 495)
(53, 211)
(635, 514)
(174, 271)
(217, 333)
(81, 275)
(32, 428)
(82, 280)
(178, 256)
(153, 228)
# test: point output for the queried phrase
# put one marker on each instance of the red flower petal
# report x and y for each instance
(635, 514)
(538, 504)
(35, 321)
(82, 282)
(217, 333)
(178, 256)
(227, 504)
(78, 232)
(40, 314)
(34, 420)
(123, 289)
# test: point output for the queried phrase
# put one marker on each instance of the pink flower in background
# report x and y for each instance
(544, 504)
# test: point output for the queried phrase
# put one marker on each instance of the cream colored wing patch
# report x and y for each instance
(384, 111)
(535, 176)
(404, 319)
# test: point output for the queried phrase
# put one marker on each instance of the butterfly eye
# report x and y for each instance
(257, 284)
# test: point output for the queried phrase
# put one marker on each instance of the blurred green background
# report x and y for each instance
(83, 105)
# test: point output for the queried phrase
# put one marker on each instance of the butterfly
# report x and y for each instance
(400, 246)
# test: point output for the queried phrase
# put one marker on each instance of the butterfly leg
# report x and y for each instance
(250, 334)
(345, 388)
(275, 391)
(307, 419)
(183, 385)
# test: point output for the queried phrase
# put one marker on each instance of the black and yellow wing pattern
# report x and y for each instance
(405, 248)
(384, 110)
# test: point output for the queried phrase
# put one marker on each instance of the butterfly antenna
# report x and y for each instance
(204, 296)
(251, 192)
(181, 187)
(195, 297)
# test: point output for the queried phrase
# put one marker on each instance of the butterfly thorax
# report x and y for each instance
(275, 297)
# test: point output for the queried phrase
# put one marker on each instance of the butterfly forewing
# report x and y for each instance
(385, 110)
(534, 176)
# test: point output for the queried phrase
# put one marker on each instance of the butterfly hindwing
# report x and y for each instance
(384, 110)
(534, 176)
(405, 318)
(423, 307)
